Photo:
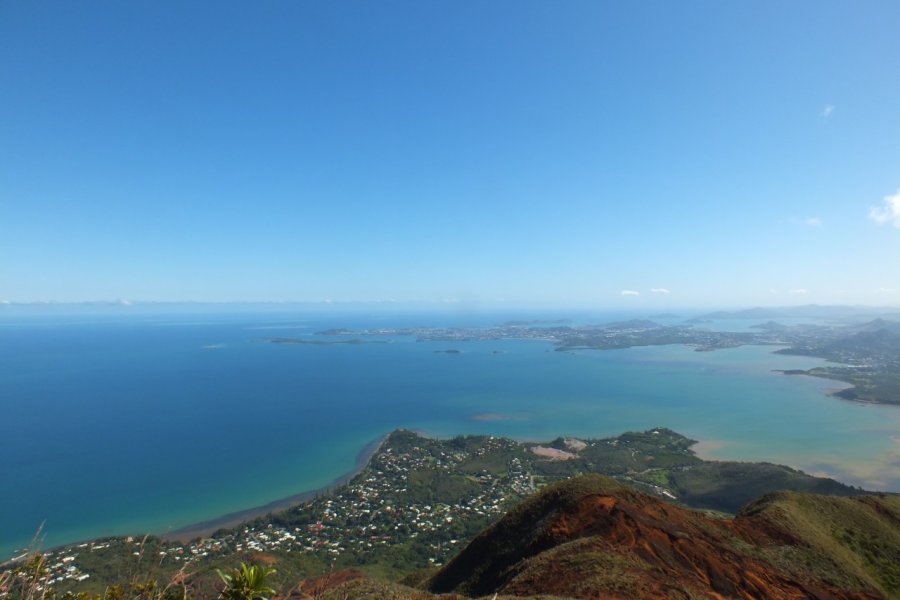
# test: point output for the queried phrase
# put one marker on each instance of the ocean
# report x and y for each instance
(126, 424)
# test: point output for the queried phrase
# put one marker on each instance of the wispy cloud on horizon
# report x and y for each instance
(630, 293)
(888, 212)
(660, 291)
(799, 291)
(808, 221)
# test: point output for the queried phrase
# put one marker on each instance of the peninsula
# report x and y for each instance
(866, 353)
(418, 501)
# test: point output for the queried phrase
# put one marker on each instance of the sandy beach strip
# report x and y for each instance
(207, 528)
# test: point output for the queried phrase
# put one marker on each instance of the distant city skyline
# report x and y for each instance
(524, 154)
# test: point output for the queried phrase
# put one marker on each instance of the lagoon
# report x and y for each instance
(150, 423)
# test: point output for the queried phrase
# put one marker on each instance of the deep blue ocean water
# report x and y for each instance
(148, 423)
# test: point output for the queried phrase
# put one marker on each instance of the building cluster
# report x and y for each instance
(49, 569)
(383, 506)
(378, 508)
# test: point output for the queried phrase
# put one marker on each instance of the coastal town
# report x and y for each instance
(390, 503)
(623, 334)
(416, 503)
(417, 500)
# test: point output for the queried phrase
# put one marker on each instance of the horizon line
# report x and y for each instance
(126, 303)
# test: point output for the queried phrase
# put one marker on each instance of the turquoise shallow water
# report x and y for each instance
(128, 425)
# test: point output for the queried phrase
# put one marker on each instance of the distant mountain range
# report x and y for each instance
(808, 311)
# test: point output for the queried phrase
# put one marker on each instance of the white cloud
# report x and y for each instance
(827, 111)
(630, 293)
(799, 291)
(660, 291)
(809, 221)
(889, 212)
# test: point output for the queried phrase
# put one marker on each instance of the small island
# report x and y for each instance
(866, 354)
(308, 342)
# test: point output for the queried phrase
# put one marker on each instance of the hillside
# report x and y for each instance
(868, 355)
(419, 501)
(593, 537)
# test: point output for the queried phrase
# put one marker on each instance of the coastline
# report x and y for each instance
(704, 449)
(210, 526)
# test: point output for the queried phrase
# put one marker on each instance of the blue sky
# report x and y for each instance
(534, 153)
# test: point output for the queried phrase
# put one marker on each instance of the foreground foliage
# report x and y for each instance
(249, 582)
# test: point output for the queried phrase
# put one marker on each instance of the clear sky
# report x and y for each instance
(546, 153)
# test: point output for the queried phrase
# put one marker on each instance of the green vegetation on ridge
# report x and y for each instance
(420, 500)
(591, 536)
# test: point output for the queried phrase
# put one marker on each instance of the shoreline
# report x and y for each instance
(704, 449)
(232, 519)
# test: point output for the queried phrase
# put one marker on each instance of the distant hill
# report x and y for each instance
(632, 324)
(809, 311)
(879, 324)
(771, 326)
(881, 340)
(594, 537)
(749, 313)
(868, 357)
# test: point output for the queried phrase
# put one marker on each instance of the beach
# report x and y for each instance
(207, 528)
(290, 418)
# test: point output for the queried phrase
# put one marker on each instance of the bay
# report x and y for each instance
(149, 423)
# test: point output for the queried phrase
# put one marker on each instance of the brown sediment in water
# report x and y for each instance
(490, 417)
(706, 449)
